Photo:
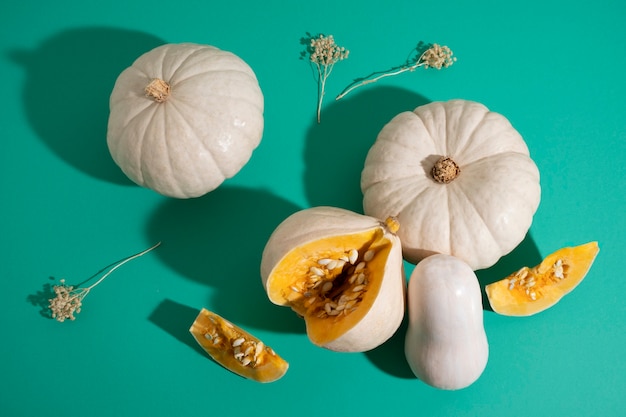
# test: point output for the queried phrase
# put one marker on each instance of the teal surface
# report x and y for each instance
(554, 68)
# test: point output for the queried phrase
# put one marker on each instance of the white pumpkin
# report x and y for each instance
(458, 177)
(342, 272)
(185, 117)
(446, 344)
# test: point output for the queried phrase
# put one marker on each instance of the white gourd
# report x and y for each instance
(446, 344)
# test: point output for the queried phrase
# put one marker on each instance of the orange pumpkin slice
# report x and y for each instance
(532, 290)
(237, 350)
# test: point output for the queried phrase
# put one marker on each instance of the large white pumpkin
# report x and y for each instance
(185, 117)
(458, 177)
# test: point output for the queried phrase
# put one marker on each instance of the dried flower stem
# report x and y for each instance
(324, 54)
(68, 299)
(435, 56)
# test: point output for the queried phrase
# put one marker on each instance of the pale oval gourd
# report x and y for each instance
(446, 344)
(184, 118)
(458, 177)
(342, 272)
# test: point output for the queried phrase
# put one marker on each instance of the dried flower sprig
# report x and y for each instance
(69, 300)
(324, 53)
(435, 56)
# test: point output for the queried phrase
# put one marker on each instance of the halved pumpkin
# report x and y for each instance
(237, 350)
(531, 290)
(342, 272)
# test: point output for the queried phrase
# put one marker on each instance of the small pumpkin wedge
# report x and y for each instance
(342, 272)
(237, 350)
(532, 290)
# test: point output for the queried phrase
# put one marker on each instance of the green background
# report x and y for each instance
(555, 69)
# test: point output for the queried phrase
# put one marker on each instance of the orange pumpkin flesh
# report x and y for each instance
(294, 285)
(237, 350)
(531, 290)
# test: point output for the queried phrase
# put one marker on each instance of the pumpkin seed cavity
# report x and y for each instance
(334, 285)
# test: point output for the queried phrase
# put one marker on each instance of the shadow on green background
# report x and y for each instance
(169, 315)
(525, 254)
(69, 79)
(218, 240)
(336, 148)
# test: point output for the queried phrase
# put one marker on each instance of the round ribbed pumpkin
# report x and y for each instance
(458, 177)
(184, 118)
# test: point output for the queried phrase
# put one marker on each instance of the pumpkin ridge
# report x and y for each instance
(169, 165)
(142, 144)
(216, 71)
(192, 129)
(235, 64)
(215, 159)
(431, 135)
(498, 155)
(129, 125)
(468, 140)
(495, 136)
(480, 216)
(184, 62)
(257, 106)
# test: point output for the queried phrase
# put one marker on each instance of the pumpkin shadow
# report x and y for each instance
(525, 254)
(176, 319)
(218, 240)
(389, 357)
(336, 148)
(69, 78)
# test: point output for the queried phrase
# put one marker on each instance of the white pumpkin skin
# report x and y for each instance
(481, 215)
(385, 316)
(203, 133)
(446, 344)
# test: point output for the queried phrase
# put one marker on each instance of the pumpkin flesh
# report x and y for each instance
(237, 350)
(301, 289)
(532, 290)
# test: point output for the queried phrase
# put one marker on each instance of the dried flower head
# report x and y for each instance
(435, 56)
(324, 53)
(69, 300)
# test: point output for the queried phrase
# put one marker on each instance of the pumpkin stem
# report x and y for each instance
(392, 224)
(158, 90)
(445, 170)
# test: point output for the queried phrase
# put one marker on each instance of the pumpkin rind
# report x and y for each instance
(237, 350)
(202, 133)
(480, 215)
(302, 242)
(445, 345)
(529, 291)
